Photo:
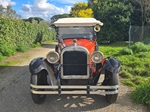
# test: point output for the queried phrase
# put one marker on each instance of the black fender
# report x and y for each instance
(36, 65)
(39, 64)
(112, 65)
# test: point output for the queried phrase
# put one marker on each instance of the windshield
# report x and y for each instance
(75, 32)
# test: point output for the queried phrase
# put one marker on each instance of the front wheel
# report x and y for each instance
(111, 80)
(39, 79)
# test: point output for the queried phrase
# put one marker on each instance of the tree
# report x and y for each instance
(145, 14)
(37, 19)
(135, 18)
(81, 9)
(115, 14)
(1, 10)
(8, 12)
(56, 17)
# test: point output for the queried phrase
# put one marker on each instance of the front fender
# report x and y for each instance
(39, 64)
(112, 65)
(36, 65)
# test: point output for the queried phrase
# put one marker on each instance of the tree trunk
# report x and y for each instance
(142, 32)
(143, 21)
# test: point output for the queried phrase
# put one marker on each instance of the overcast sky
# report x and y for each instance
(40, 8)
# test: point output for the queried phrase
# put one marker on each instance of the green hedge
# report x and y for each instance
(17, 35)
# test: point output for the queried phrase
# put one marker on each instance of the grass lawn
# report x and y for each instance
(135, 63)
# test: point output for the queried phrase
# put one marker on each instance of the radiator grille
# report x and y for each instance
(74, 63)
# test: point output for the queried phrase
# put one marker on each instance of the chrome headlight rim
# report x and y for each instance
(54, 55)
(97, 54)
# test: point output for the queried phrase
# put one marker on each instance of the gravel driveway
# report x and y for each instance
(15, 92)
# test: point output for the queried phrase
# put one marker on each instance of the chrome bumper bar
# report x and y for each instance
(80, 89)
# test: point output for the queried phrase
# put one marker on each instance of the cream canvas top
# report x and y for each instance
(77, 22)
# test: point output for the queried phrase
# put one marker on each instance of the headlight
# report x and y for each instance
(97, 57)
(52, 57)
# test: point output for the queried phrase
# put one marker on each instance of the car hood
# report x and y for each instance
(88, 44)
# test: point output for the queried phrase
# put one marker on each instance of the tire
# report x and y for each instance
(39, 79)
(111, 79)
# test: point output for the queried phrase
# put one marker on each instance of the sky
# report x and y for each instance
(40, 8)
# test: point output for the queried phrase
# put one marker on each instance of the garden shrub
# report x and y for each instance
(139, 47)
(142, 94)
(147, 41)
(125, 74)
(128, 82)
(7, 50)
(36, 45)
(126, 51)
(142, 55)
(135, 69)
(17, 35)
(1, 57)
(21, 48)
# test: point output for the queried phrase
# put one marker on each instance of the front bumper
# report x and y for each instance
(102, 90)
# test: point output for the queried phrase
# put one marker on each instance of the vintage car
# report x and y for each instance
(76, 64)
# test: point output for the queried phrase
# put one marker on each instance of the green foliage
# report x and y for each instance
(38, 19)
(116, 17)
(111, 49)
(135, 69)
(142, 55)
(56, 17)
(142, 94)
(36, 45)
(128, 82)
(136, 18)
(125, 74)
(7, 50)
(32, 19)
(8, 12)
(39, 37)
(126, 51)
(147, 41)
(139, 47)
(1, 57)
(138, 80)
(21, 48)
(19, 35)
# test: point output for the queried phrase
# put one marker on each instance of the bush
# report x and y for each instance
(147, 41)
(128, 83)
(1, 57)
(126, 51)
(17, 35)
(125, 74)
(142, 94)
(142, 55)
(135, 69)
(139, 47)
(137, 80)
(7, 50)
(36, 45)
(21, 48)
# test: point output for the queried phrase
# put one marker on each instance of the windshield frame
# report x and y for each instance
(86, 32)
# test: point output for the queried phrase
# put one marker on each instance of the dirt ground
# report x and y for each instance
(15, 91)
